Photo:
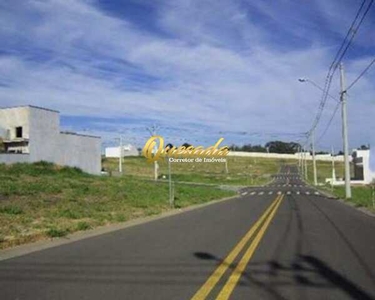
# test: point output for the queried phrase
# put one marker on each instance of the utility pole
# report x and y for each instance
(305, 166)
(348, 191)
(301, 163)
(313, 157)
(333, 168)
(120, 156)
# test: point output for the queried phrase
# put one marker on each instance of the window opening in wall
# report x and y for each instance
(19, 132)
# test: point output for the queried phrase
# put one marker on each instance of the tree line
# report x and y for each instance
(270, 147)
(281, 147)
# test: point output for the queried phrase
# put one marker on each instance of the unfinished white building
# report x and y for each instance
(362, 170)
(127, 150)
(31, 134)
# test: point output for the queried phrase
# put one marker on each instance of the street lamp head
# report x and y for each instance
(302, 79)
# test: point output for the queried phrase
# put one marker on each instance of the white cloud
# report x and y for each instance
(217, 66)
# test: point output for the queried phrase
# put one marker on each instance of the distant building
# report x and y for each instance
(127, 150)
(31, 134)
(361, 163)
(362, 172)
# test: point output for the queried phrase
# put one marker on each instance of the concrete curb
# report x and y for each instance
(81, 235)
(352, 205)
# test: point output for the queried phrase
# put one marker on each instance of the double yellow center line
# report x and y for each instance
(262, 224)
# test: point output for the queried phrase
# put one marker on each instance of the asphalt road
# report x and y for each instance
(281, 241)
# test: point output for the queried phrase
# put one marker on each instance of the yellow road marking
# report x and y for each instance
(234, 278)
(207, 287)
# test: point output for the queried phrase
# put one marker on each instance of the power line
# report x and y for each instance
(347, 35)
(360, 75)
(329, 122)
(353, 29)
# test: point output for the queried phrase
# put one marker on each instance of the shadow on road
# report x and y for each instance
(300, 271)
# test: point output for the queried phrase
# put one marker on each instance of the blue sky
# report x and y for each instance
(200, 70)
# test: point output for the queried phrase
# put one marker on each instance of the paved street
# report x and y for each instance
(281, 241)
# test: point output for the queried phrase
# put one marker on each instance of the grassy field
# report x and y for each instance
(40, 200)
(362, 196)
(241, 170)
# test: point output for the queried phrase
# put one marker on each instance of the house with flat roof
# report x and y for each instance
(30, 134)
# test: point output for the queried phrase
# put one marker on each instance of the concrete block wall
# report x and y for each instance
(79, 151)
(44, 134)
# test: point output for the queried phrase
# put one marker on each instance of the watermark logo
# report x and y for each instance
(154, 150)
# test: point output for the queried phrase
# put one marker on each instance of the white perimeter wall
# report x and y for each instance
(324, 157)
(12, 158)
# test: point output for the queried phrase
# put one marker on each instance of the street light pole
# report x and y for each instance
(333, 169)
(348, 191)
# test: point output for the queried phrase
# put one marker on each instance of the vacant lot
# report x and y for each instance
(41, 200)
(241, 170)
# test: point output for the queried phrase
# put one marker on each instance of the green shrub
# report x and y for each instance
(55, 232)
(70, 214)
(83, 226)
(71, 171)
(11, 210)
(120, 218)
(34, 169)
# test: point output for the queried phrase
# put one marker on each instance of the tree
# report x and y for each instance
(272, 147)
(364, 147)
(2, 147)
(282, 147)
(248, 148)
(168, 147)
(321, 152)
